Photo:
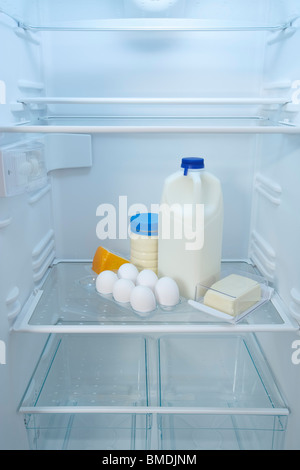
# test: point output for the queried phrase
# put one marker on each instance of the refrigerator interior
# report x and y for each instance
(99, 103)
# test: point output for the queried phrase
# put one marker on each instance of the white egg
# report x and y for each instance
(122, 290)
(167, 292)
(142, 299)
(128, 271)
(105, 282)
(147, 278)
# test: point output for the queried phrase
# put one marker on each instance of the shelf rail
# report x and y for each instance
(149, 24)
(46, 124)
(157, 100)
(150, 129)
(153, 410)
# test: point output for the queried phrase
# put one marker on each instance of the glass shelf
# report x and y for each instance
(133, 392)
(153, 22)
(122, 371)
(68, 302)
(207, 115)
(154, 121)
(153, 124)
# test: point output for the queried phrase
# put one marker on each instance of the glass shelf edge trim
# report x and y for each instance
(155, 100)
(95, 129)
(152, 409)
(150, 24)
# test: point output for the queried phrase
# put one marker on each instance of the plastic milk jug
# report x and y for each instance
(190, 227)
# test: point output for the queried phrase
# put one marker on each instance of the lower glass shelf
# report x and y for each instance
(133, 392)
(68, 302)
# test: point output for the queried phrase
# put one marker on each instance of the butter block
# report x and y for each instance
(233, 294)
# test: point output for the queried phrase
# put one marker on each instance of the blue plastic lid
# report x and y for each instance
(144, 224)
(192, 163)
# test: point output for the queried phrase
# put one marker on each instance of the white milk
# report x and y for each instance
(189, 248)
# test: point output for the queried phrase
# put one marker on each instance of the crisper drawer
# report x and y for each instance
(79, 386)
(224, 391)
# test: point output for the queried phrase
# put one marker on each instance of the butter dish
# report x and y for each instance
(233, 296)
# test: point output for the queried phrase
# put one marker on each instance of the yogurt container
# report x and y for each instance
(144, 241)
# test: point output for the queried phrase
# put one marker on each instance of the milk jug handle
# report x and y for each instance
(196, 177)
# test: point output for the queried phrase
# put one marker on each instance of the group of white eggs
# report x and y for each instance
(143, 290)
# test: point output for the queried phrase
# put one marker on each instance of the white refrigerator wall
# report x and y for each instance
(61, 220)
(25, 226)
(276, 221)
(129, 170)
(151, 65)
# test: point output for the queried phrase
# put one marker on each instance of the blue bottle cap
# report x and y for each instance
(192, 163)
(144, 224)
